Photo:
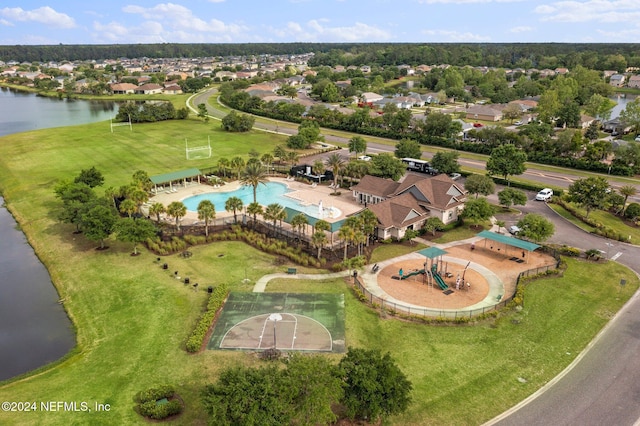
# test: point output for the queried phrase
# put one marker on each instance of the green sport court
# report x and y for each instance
(312, 322)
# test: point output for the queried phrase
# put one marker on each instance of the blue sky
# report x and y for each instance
(253, 21)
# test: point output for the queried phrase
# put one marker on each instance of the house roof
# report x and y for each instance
(439, 192)
(399, 212)
(376, 186)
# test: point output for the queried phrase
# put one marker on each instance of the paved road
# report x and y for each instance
(602, 386)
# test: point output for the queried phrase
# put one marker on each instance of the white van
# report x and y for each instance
(544, 195)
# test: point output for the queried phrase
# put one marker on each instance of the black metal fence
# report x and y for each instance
(448, 314)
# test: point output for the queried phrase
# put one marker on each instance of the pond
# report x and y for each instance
(34, 328)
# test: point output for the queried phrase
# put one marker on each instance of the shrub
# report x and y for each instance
(148, 402)
(633, 211)
(216, 300)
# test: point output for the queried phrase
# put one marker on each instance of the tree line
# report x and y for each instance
(598, 56)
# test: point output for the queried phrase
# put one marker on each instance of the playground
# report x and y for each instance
(463, 284)
(286, 321)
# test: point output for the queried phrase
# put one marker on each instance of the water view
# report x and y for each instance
(21, 112)
(34, 328)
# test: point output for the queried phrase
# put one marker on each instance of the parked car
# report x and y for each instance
(514, 230)
(518, 123)
(455, 176)
(544, 195)
(478, 125)
(364, 158)
(637, 138)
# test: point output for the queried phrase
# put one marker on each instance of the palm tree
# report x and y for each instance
(223, 166)
(347, 234)
(255, 209)
(267, 160)
(298, 222)
(206, 212)
(280, 152)
(139, 197)
(157, 209)
(369, 222)
(254, 175)
(292, 156)
(335, 162)
(323, 225)
(318, 167)
(319, 239)
(128, 207)
(177, 210)
(233, 204)
(237, 164)
(273, 212)
(111, 193)
(627, 191)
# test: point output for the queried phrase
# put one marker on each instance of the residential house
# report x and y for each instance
(370, 97)
(172, 89)
(408, 204)
(485, 112)
(586, 121)
(634, 81)
(617, 80)
(365, 69)
(123, 88)
(616, 126)
(609, 73)
(149, 89)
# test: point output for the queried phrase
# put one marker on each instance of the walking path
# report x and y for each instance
(370, 280)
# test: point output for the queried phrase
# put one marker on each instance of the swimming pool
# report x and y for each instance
(271, 192)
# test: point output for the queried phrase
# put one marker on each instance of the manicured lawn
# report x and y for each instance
(389, 251)
(605, 218)
(133, 317)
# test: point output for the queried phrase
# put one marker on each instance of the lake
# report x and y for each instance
(34, 328)
(22, 111)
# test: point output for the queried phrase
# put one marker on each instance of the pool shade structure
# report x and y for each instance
(506, 241)
(177, 176)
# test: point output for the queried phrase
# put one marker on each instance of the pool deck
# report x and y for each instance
(300, 191)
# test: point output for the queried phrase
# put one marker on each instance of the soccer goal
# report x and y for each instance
(198, 152)
(120, 124)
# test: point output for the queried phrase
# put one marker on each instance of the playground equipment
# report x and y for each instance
(438, 278)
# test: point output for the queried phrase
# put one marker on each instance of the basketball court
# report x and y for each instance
(287, 321)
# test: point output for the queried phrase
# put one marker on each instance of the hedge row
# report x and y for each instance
(216, 300)
(237, 233)
(599, 228)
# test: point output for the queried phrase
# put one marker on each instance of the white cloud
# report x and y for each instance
(320, 30)
(447, 35)
(521, 29)
(466, 1)
(605, 11)
(44, 15)
(181, 19)
(7, 23)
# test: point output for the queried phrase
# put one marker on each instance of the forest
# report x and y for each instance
(597, 56)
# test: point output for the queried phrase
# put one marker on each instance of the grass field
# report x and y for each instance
(132, 317)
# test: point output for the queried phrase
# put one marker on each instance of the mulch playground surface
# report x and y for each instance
(291, 321)
(504, 265)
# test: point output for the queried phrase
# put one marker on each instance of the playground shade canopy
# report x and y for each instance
(174, 176)
(432, 252)
(510, 241)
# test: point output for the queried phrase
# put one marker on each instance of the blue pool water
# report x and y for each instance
(271, 192)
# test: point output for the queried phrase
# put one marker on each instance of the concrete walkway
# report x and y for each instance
(370, 280)
(261, 284)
